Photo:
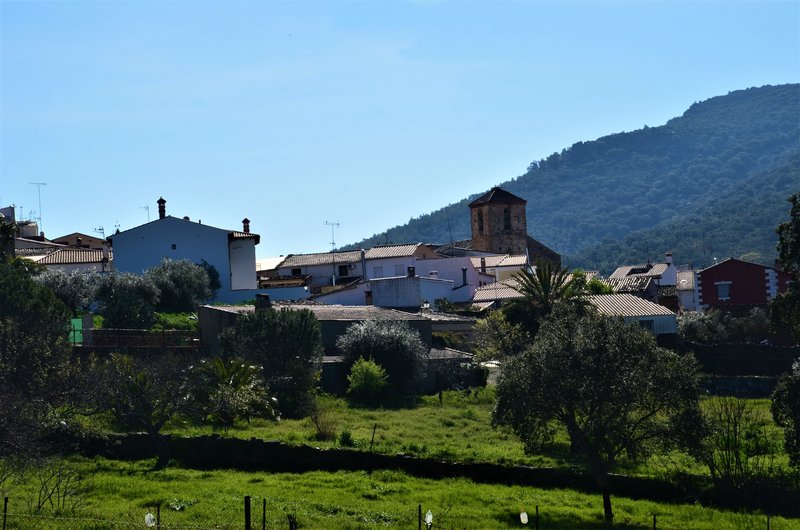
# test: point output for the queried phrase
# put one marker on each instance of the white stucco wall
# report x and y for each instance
(243, 264)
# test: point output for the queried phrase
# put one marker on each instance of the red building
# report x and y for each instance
(734, 283)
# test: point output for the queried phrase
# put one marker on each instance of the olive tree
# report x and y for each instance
(392, 344)
(127, 300)
(182, 285)
(288, 346)
(607, 383)
(786, 411)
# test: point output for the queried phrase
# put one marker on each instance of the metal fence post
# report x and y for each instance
(247, 512)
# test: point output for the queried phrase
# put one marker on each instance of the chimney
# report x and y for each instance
(162, 208)
(79, 242)
(263, 301)
(246, 225)
(434, 274)
(669, 257)
(463, 276)
(412, 272)
(364, 265)
(483, 265)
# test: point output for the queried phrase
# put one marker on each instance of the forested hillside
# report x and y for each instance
(625, 196)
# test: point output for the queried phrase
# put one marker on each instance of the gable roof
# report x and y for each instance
(648, 269)
(507, 260)
(504, 290)
(320, 258)
(85, 238)
(629, 284)
(232, 234)
(627, 305)
(497, 195)
(71, 256)
(730, 261)
(393, 251)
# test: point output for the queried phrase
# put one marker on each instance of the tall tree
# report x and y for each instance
(542, 290)
(786, 411)
(785, 308)
(607, 383)
(288, 346)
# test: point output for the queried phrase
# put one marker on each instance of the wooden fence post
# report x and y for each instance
(419, 517)
(5, 511)
(264, 514)
(537, 517)
(247, 512)
(158, 516)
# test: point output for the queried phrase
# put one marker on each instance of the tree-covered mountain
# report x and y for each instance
(624, 196)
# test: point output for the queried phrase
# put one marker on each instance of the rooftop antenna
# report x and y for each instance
(39, 189)
(333, 225)
(450, 228)
(146, 208)
(100, 230)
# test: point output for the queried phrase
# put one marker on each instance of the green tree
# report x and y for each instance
(127, 301)
(144, 394)
(607, 383)
(182, 285)
(36, 369)
(392, 344)
(288, 346)
(76, 289)
(496, 338)
(785, 308)
(8, 231)
(546, 287)
(367, 382)
(786, 411)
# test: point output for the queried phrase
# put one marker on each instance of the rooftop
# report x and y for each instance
(497, 195)
(334, 312)
(626, 305)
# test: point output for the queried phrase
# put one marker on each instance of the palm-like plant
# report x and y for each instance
(542, 289)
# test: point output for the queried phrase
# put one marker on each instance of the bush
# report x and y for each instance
(127, 301)
(182, 285)
(367, 381)
(391, 344)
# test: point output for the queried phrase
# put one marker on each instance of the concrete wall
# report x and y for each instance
(408, 292)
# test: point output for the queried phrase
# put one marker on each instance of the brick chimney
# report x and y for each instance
(162, 208)
(246, 225)
(668, 257)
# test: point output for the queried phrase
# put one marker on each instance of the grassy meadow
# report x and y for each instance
(126, 491)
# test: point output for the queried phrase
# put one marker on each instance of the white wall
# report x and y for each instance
(243, 264)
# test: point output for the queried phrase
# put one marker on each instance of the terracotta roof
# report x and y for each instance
(497, 195)
(69, 256)
(626, 305)
(392, 251)
(630, 284)
(321, 258)
(685, 281)
(650, 269)
(243, 235)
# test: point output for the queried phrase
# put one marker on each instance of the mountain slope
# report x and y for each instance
(624, 183)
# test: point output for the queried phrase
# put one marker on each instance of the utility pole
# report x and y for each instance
(39, 189)
(333, 225)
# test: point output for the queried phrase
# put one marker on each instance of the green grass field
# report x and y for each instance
(126, 491)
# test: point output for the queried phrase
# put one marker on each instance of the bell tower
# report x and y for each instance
(499, 224)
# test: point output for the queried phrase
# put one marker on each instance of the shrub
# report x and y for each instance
(182, 285)
(127, 301)
(367, 381)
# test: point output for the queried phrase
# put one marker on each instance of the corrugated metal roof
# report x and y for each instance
(649, 269)
(627, 305)
(504, 290)
(630, 284)
(69, 256)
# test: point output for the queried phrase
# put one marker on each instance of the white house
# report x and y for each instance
(632, 309)
(231, 252)
(663, 273)
(71, 259)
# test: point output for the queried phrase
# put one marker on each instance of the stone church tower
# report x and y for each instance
(499, 224)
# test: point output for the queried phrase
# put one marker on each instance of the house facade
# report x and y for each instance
(231, 252)
(734, 283)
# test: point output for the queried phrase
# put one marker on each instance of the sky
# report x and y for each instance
(301, 114)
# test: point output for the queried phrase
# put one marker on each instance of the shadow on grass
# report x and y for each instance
(568, 522)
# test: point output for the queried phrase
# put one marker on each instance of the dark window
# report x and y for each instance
(174, 246)
(297, 272)
(343, 270)
(480, 222)
(647, 324)
(723, 291)
(506, 219)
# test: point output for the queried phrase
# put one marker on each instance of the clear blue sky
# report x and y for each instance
(366, 113)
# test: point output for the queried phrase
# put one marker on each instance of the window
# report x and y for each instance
(297, 272)
(343, 271)
(506, 219)
(399, 270)
(480, 222)
(646, 324)
(377, 272)
(174, 246)
(723, 291)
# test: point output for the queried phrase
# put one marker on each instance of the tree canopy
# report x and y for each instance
(182, 285)
(786, 411)
(607, 383)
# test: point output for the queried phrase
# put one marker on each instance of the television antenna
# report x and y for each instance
(39, 190)
(146, 208)
(333, 225)
(100, 230)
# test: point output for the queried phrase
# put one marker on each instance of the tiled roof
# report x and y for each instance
(321, 258)
(336, 312)
(497, 195)
(243, 235)
(69, 256)
(685, 281)
(650, 269)
(508, 260)
(626, 305)
(630, 284)
(392, 251)
(504, 290)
